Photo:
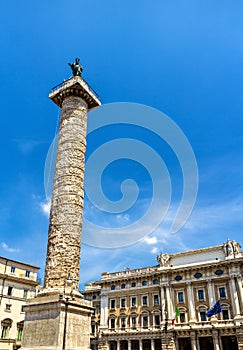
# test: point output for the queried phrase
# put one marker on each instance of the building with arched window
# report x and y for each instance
(164, 306)
(18, 282)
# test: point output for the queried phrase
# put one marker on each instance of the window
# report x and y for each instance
(180, 296)
(4, 332)
(113, 303)
(8, 307)
(145, 321)
(12, 269)
(200, 294)
(225, 314)
(157, 320)
(94, 297)
(156, 281)
(144, 283)
(112, 323)
(133, 284)
(123, 286)
(113, 287)
(222, 292)
(156, 299)
(133, 301)
(6, 325)
(25, 295)
(10, 290)
(182, 317)
(123, 302)
(145, 300)
(178, 278)
(27, 273)
(203, 316)
(20, 327)
(133, 321)
(123, 322)
(198, 275)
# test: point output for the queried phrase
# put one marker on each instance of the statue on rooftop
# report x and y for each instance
(76, 68)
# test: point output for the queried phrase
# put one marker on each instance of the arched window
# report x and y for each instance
(112, 322)
(202, 313)
(123, 321)
(20, 327)
(133, 320)
(6, 325)
(182, 315)
(155, 281)
(225, 314)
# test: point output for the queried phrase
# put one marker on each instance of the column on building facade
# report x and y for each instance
(152, 344)
(216, 340)
(192, 316)
(240, 292)
(103, 310)
(193, 341)
(168, 301)
(163, 306)
(140, 344)
(234, 296)
(118, 344)
(211, 292)
(129, 344)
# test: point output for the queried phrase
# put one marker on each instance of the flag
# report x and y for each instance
(176, 314)
(216, 309)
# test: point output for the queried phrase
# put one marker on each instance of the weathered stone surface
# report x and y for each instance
(64, 238)
(45, 323)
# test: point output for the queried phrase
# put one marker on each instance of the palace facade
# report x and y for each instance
(135, 309)
(18, 282)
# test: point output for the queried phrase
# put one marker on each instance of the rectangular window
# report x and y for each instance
(203, 316)
(222, 292)
(156, 299)
(123, 323)
(123, 302)
(133, 301)
(157, 320)
(145, 300)
(10, 290)
(180, 297)
(27, 273)
(25, 294)
(145, 321)
(225, 314)
(182, 317)
(112, 323)
(113, 303)
(8, 307)
(134, 322)
(12, 269)
(200, 294)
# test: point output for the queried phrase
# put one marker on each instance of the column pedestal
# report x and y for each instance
(54, 324)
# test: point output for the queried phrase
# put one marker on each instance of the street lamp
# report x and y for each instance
(68, 283)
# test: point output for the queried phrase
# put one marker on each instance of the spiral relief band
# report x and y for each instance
(135, 150)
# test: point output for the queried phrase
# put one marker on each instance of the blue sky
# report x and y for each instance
(182, 58)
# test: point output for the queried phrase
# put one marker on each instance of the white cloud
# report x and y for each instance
(150, 240)
(45, 207)
(154, 250)
(9, 249)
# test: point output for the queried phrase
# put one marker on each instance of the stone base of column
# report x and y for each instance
(56, 322)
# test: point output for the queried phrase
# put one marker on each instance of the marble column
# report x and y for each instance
(192, 316)
(234, 296)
